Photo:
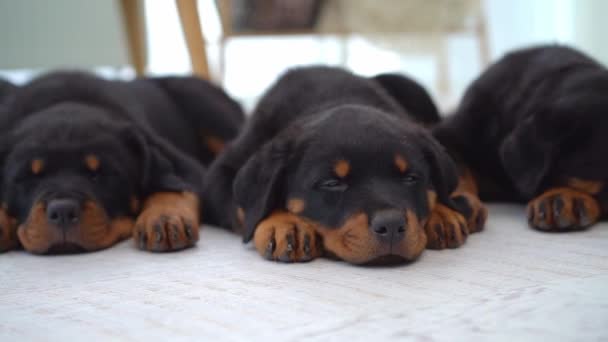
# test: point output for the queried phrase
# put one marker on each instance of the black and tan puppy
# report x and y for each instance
(85, 160)
(331, 164)
(534, 128)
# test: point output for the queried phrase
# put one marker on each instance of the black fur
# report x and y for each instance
(534, 118)
(309, 119)
(146, 134)
(411, 96)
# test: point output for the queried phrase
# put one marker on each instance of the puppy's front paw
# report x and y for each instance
(563, 209)
(8, 233)
(168, 222)
(473, 210)
(286, 237)
(445, 228)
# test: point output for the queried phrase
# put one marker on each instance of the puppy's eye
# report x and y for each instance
(411, 178)
(332, 185)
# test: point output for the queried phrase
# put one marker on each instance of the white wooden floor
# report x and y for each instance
(507, 283)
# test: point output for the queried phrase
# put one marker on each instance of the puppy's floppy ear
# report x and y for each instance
(259, 186)
(444, 174)
(528, 152)
(162, 167)
(6, 143)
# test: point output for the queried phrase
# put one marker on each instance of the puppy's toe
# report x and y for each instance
(473, 210)
(163, 232)
(563, 209)
(445, 228)
(285, 237)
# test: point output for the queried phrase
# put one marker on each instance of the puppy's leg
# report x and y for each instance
(286, 237)
(8, 232)
(466, 198)
(445, 228)
(563, 209)
(449, 228)
(169, 221)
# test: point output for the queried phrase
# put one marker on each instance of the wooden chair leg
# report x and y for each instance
(133, 21)
(191, 26)
(484, 45)
(443, 67)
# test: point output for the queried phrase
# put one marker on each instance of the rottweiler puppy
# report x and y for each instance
(6, 89)
(533, 129)
(86, 162)
(331, 164)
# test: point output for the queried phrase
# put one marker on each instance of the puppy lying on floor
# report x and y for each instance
(534, 128)
(331, 164)
(80, 154)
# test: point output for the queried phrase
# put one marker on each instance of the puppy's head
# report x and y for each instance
(72, 178)
(366, 181)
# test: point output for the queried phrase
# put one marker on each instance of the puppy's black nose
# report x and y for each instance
(63, 213)
(389, 224)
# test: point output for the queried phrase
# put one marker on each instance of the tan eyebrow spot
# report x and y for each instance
(92, 162)
(296, 205)
(214, 144)
(400, 163)
(37, 166)
(591, 187)
(342, 168)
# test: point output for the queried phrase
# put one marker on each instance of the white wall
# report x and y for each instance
(61, 33)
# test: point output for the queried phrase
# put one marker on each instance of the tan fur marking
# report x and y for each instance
(354, 242)
(92, 162)
(168, 221)
(95, 231)
(286, 237)
(37, 166)
(445, 228)
(431, 197)
(8, 232)
(240, 216)
(563, 209)
(400, 163)
(467, 182)
(342, 168)
(296, 205)
(214, 144)
(134, 204)
(590, 187)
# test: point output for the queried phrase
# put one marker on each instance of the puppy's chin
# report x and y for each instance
(66, 248)
(388, 260)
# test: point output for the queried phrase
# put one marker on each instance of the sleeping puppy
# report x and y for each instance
(6, 89)
(85, 162)
(330, 164)
(533, 128)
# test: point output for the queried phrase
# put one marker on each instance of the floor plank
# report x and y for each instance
(507, 283)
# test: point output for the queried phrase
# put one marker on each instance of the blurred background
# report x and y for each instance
(244, 45)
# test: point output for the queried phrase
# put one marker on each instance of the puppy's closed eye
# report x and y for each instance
(411, 178)
(332, 184)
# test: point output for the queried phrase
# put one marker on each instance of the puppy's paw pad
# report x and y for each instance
(163, 231)
(473, 210)
(285, 237)
(445, 228)
(563, 209)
